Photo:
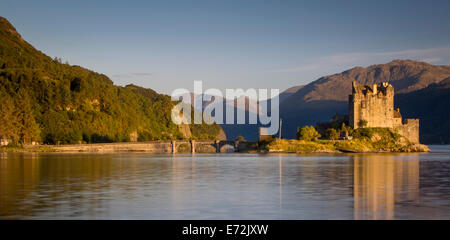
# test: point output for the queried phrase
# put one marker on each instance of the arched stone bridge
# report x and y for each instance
(218, 145)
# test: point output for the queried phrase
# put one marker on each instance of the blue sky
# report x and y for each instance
(165, 45)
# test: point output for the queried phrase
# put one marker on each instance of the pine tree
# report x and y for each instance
(27, 128)
(7, 118)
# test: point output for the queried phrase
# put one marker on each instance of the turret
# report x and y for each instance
(354, 87)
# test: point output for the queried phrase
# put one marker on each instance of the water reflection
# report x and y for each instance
(46, 185)
(224, 186)
(381, 182)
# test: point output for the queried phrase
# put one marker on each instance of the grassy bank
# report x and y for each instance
(364, 140)
(300, 146)
(26, 149)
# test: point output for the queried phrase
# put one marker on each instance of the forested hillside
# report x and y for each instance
(45, 100)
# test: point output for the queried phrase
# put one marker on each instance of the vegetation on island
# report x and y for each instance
(307, 133)
(359, 140)
(240, 139)
(46, 101)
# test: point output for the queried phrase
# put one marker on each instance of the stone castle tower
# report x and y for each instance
(373, 106)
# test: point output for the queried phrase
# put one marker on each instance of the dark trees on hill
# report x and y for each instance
(47, 101)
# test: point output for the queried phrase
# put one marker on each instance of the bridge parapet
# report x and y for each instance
(173, 146)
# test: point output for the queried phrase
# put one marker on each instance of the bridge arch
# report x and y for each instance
(226, 146)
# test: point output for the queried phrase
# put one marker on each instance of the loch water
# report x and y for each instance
(225, 186)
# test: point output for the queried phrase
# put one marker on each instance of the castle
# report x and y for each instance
(373, 106)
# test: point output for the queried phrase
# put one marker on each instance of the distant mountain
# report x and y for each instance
(251, 131)
(248, 131)
(321, 99)
(250, 104)
(45, 100)
(431, 105)
(232, 131)
(404, 75)
(289, 92)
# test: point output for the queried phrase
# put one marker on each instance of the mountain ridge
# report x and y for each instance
(321, 99)
(420, 75)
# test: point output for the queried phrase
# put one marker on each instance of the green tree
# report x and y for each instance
(363, 123)
(28, 130)
(307, 133)
(240, 139)
(347, 129)
(332, 134)
(8, 126)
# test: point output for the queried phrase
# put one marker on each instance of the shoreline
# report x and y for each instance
(165, 147)
(343, 146)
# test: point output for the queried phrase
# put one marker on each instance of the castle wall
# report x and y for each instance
(351, 111)
(397, 121)
(375, 107)
(375, 104)
(409, 129)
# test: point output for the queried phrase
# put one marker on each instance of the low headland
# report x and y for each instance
(363, 140)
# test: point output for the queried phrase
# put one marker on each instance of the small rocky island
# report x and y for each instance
(373, 125)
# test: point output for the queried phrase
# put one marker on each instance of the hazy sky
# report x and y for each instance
(231, 44)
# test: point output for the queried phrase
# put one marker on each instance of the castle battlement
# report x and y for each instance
(384, 89)
(373, 106)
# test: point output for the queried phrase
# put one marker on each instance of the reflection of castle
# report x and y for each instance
(373, 106)
(381, 182)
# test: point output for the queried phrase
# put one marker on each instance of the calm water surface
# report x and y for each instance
(225, 186)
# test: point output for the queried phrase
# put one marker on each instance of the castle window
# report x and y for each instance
(363, 104)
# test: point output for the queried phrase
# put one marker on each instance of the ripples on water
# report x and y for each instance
(225, 186)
